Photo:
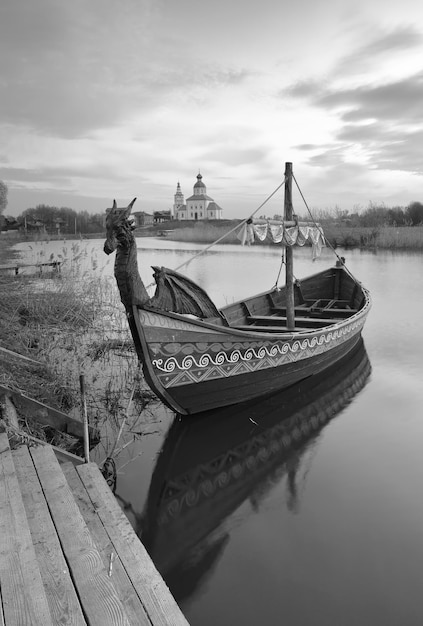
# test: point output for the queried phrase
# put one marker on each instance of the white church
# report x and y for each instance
(199, 206)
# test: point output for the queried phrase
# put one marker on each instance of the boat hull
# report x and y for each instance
(210, 464)
(195, 366)
(254, 384)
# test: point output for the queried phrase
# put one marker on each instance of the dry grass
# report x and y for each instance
(203, 232)
(72, 324)
(383, 237)
(405, 238)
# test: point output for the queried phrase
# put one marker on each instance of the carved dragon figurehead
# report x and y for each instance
(174, 292)
(118, 227)
(119, 237)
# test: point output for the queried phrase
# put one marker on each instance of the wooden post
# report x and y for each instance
(85, 418)
(289, 261)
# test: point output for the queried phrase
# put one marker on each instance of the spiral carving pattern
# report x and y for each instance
(297, 349)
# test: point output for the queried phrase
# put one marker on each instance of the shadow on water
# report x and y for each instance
(209, 465)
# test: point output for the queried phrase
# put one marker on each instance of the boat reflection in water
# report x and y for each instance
(210, 464)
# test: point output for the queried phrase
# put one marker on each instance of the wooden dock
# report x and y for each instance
(17, 267)
(68, 554)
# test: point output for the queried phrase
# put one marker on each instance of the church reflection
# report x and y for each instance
(212, 464)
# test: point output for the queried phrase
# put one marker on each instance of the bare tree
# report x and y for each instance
(3, 196)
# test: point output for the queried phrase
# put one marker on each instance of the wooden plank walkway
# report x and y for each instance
(68, 554)
(16, 267)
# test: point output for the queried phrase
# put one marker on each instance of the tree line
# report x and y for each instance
(51, 219)
(68, 221)
(377, 215)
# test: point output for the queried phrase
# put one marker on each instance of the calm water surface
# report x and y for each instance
(306, 509)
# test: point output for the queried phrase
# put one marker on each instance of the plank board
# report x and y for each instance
(63, 456)
(102, 606)
(63, 601)
(305, 321)
(23, 597)
(254, 328)
(119, 578)
(47, 415)
(151, 588)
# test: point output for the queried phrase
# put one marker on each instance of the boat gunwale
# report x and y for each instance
(286, 335)
(139, 330)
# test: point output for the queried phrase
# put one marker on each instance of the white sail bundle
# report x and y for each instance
(278, 232)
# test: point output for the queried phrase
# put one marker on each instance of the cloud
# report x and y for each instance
(378, 92)
(378, 116)
(375, 146)
(24, 175)
(392, 149)
(234, 156)
(385, 45)
(398, 102)
(54, 78)
(71, 68)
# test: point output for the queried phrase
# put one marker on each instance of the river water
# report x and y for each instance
(303, 510)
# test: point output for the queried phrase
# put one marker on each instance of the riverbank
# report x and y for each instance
(66, 326)
(337, 235)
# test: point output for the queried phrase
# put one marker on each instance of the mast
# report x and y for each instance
(289, 264)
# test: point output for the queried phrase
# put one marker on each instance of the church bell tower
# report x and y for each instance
(178, 200)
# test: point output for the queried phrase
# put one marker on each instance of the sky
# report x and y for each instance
(104, 99)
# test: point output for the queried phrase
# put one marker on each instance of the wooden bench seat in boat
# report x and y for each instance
(323, 308)
(318, 312)
(273, 320)
(268, 329)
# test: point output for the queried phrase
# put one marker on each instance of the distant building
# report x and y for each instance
(58, 223)
(178, 201)
(141, 218)
(162, 216)
(31, 224)
(199, 206)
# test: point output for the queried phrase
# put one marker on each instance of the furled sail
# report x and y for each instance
(179, 294)
(277, 232)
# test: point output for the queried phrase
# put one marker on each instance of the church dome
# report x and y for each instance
(199, 182)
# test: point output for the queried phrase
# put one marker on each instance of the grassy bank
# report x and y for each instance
(70, 324)
(338, 235)
(382, 237)
(202, 232)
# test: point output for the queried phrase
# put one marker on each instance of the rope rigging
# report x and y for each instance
(248, 220)
(340, 259)
(232, 229)
(204, 250)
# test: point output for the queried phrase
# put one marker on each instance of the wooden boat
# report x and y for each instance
(196, 357)
(211, 464)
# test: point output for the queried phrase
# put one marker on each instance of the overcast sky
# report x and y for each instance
(103, 99)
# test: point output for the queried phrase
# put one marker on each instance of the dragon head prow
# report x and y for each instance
(118, 226)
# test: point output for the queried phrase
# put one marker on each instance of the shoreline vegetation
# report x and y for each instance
(65, 325)
(338, 235)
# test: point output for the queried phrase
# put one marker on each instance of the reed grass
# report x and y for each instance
(204, 233)
(72, 323)
(405, 238)
(383, 237)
